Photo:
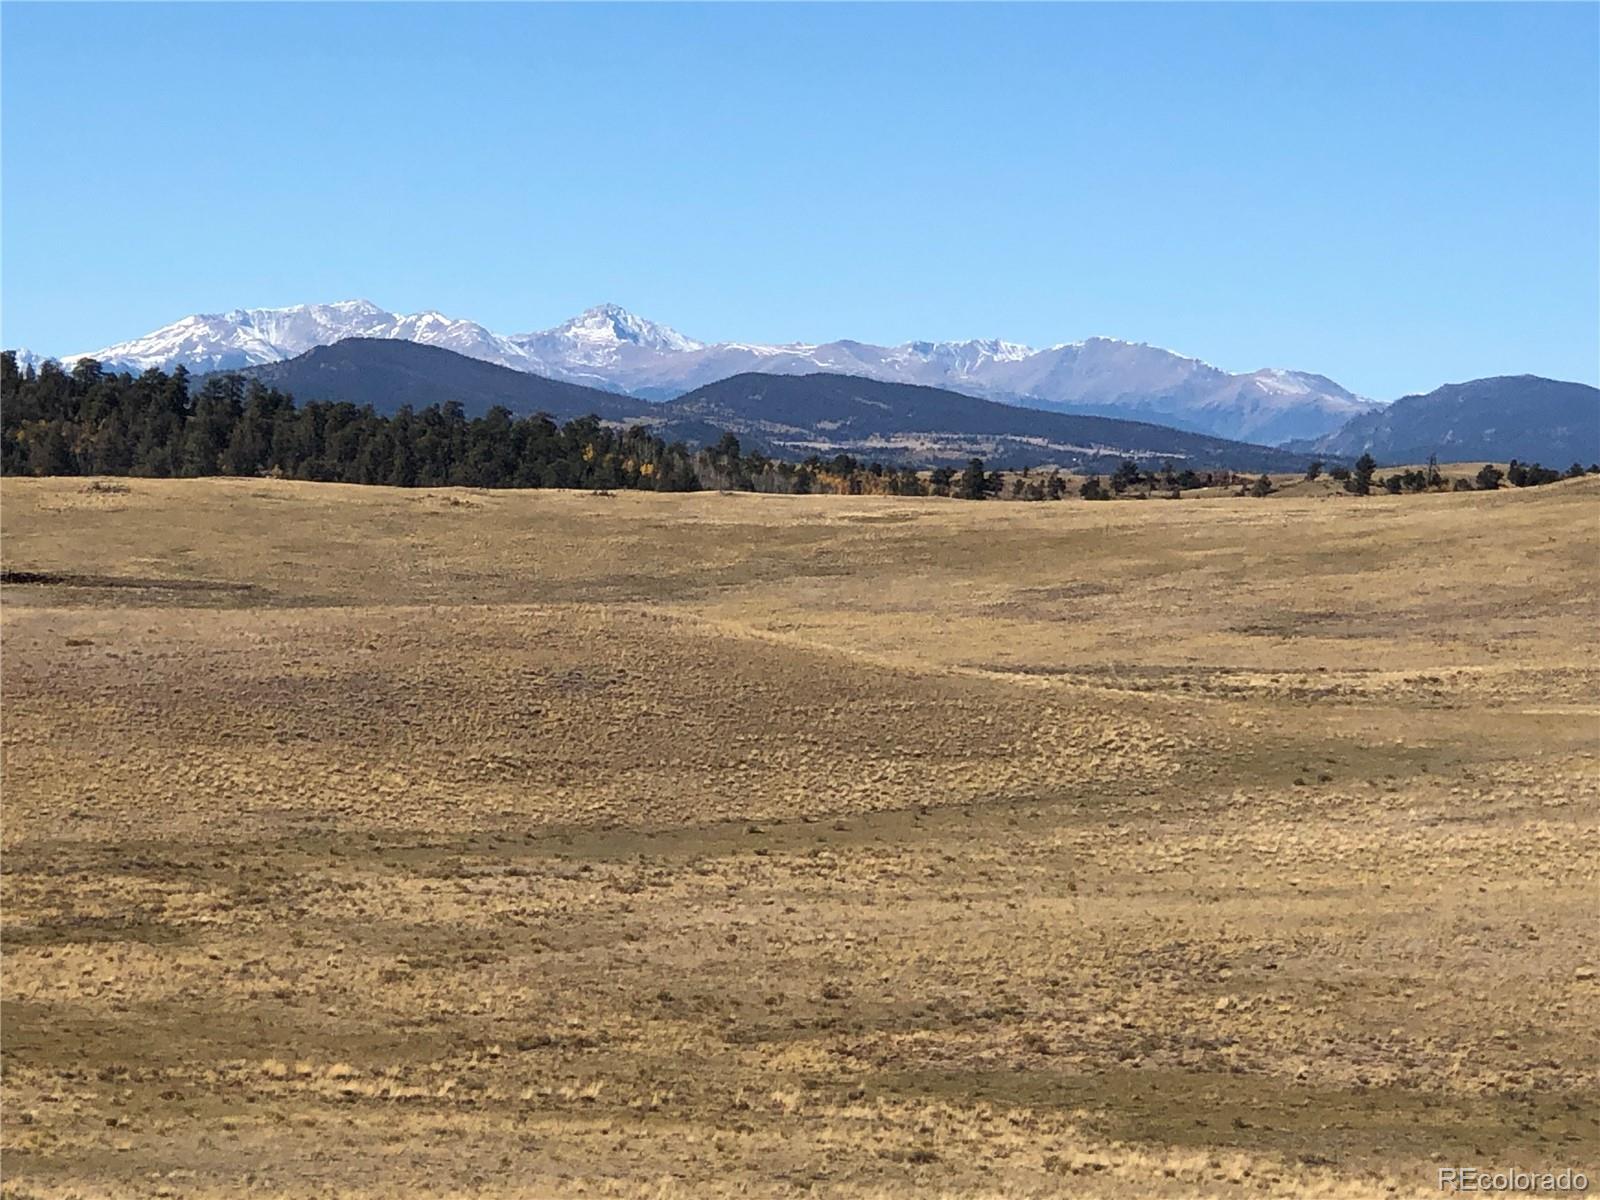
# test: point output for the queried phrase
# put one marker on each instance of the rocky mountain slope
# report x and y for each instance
(1508, 416)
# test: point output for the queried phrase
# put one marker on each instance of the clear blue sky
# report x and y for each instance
(1394, 196)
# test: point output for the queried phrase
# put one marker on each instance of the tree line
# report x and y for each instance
(90, 421)
(1133, 480)
(1362, 478)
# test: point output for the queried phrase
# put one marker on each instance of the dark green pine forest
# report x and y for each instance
(91, 422)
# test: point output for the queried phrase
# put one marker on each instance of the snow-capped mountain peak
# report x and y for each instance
(245, 337)
(608, 326)
(609, 347)
(27, 358)
(1297, 383)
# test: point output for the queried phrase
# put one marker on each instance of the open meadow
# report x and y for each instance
(375, 842)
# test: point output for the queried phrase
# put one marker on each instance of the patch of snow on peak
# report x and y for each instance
(610, 326)
(1281, 382)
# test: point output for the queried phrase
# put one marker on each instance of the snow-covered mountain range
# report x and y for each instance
(611, 348)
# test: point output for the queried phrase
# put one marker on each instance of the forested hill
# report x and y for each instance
(390, 374)
(790, 417)
(795, 415)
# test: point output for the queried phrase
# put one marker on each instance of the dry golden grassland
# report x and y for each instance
(386, 843)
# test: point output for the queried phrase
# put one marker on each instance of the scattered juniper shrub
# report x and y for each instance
(1520, 474)
(1360, 481)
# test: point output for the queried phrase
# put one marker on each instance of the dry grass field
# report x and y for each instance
(382, 843)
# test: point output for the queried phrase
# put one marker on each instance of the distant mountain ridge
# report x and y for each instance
(610, 348)
(787, 416)
(909, 424)
(1524, 417)
(390, 374)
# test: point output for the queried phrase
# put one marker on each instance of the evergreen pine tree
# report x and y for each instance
(974, 485)
(1360, 481)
